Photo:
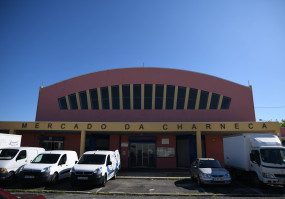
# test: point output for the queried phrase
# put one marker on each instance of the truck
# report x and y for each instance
(96, 167)
(10, 140)
(261, 157)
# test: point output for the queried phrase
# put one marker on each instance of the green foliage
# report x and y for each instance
(282, 123)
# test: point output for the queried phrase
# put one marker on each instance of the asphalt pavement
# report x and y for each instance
(154, 183)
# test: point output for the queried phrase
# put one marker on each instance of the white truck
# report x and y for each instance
(10, 140)
(96, 167)
(258, 156)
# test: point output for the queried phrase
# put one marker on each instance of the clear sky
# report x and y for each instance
(53, 40)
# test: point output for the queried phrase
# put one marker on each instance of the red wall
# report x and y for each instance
(71, 141)
(214, 147)
(241, 108)
(160, 162)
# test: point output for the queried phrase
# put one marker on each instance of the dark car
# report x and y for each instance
(209, 171)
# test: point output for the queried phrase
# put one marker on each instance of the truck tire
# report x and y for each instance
(255, 180)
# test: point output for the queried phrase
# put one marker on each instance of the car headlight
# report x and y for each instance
(99, 170)
(47, 169)
(3, 169)
(227, 175)
(72, 170)
(205, 175)
(268, 175)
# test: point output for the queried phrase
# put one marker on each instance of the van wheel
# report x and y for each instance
(12, 178)
(104, 181)
(115, 176)
(54, 179)
(255, 181)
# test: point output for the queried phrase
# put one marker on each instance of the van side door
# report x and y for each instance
(63, 167)
(110, 167)
(21, 159)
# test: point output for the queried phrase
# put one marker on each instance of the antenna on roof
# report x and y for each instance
(143, 64)
(248, 83)
(42, 84)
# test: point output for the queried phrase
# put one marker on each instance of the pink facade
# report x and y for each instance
(241, 108)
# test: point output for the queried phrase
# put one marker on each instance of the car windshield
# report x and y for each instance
(92, 159)
(46, 158)
(8, 154)
(275, 156)
(209, 164)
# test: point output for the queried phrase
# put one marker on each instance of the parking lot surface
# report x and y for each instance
(164, 183)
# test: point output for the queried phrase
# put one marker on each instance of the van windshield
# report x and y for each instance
(274, 156)
(92, 159)
(8, 154)
(46, 158)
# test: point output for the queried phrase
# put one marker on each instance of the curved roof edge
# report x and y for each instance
(160, 68)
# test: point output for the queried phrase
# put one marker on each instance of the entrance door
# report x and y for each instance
(142, 154)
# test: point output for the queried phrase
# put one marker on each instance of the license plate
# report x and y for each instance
(29, 177)
(219, 179)
(82, 178)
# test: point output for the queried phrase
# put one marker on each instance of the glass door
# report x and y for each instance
(142, 155)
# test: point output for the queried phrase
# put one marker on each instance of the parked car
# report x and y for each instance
(209, 171)
(13, 158)
(49, 167)
(96, 167)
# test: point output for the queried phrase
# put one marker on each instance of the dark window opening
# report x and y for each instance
(126, 96)
(226, 103)
(94, 99)
(181, 97)
(62, 103)
(137, 96)
(214, 101)
(83, 100)
(73, 101)
(115, 97)
(148, 96)
(203, 99)
(192, 98)
(159, 96)
(105, 98)
(170, 96)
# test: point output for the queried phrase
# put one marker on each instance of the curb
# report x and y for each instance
(153, 178)
(144, 194)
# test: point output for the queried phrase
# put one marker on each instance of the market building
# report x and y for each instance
(156, 117)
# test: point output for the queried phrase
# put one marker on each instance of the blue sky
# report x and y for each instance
(50, 41)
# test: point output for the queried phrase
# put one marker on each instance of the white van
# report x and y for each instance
(96, 167)
(49, 167)
(12, 158)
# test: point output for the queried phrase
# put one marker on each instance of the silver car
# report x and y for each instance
(209, 171)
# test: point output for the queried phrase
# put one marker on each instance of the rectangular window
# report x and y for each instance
(170, 96)
(126, 96)
(181, 97)
(148, 96)
(226, 102)
(159, 96)
(73, 101)
(105, 98)
(214, 101)
(83, 100)
(137, 96)
(115, 97)
(192, 98)
(94, 99)
(203, 99)
(62, 103)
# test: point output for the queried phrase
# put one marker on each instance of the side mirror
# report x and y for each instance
(109, 163)
(195, 167)
(251, 157)
(76, 162)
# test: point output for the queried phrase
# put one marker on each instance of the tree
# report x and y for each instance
(282, 123)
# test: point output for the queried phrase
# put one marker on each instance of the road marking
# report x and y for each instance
(99, 190)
